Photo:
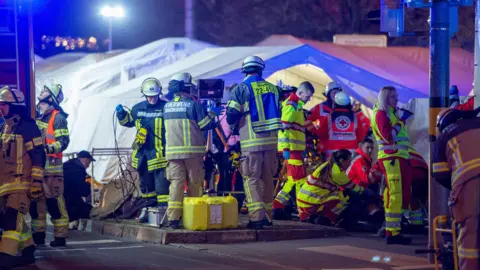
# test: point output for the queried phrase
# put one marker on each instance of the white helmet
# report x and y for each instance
(342, 99)
(11, 96)
(332, 86)
(56, 91)
(151, 87)
(185, 77)
(252, 64)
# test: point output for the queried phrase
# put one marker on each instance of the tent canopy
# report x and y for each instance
(407, 66)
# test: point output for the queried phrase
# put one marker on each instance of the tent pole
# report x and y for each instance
(439, 84)
(189, 19)
(476, 90)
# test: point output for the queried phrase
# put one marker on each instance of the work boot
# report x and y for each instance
(6, 261)
(143, 217)
(398, 240)
(27, 257)
(255, 225)
(280, 214)
(174, 224)
(39, 238)
(58, 242)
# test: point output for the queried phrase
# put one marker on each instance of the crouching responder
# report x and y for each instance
(291, 141)
(254, 109)
(320, 200)
(456, 166)
(393, 144)
(52, 122)
(186, 121)
(148, 156)
(22, 162)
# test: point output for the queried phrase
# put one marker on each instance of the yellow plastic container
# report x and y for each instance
(215, 212)
(230, 212)
(195, 214)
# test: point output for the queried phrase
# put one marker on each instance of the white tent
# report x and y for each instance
(92, 125)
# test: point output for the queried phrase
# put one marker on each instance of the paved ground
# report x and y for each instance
(361, 252)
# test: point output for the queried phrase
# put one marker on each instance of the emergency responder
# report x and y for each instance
(186, 121)
(419, 168)
(148, 156)
(52, 121)
(393, 144)
(254, 109)
(339, 127)
(22, 163)
(455, 100)
(361, 171)
(291, 142)
(321, 200)
(456, 166)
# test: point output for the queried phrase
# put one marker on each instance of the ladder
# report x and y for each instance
(9, 56)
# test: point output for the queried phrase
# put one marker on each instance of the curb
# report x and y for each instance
(161, 236)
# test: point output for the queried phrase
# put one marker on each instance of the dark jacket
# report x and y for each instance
(74, 181)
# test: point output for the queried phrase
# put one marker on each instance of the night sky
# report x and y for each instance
(145, 20)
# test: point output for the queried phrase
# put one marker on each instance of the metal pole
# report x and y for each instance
(476, 90)
(189, 25)
(110, 41)
(439, 84)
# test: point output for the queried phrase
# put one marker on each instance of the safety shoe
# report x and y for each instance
(255, 225)
(174, 225)
(280, 214)
(39, 238)
(398, 240)
(6, 261)
(58, 242)
(27, 257)
(143, 217)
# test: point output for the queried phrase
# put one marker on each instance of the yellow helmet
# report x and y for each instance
(56, 92)
(11, 96)
(151, 87)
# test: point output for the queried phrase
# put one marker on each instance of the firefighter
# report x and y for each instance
(393, 145)
(455, 100)
(148, 156)
(186, 121)
(22, 163)
(254, 109)
(291, 142)
(456, 166)
(321, 200)
(52, 122)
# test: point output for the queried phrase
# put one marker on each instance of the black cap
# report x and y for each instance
(85, 154)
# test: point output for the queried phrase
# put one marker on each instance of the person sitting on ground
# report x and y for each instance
(76, 188)
(321, 200)
(361, 171)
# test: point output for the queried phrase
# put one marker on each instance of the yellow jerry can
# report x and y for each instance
(195, 213)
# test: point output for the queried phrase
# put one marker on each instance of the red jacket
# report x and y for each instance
(467, 106)
(360, 168)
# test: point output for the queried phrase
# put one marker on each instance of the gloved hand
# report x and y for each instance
(36, 190)
(405, 114)
(453, 91)
(453, 96)
(50, 149)
(141, 136)
(119, 108)
(368, 192)
(286, 154)
(216, 111)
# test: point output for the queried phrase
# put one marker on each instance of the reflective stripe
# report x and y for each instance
(393, 147)
(60, 222)
(440, 167)
(255, 206)
(468, 253)
(282, 197)
(175, 205)
(13, 187)
(311, 194)
(162, 198)
(465, 167)
(234, 105)
(16, 236)
(149, 195)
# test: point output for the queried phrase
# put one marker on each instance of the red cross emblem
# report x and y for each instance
(342, 122)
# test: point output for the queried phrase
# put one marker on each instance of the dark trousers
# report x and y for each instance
(154, 184)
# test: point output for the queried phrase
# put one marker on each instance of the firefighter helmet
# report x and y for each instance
(151, 87)
(450, 116)
(332, 86)
(342, 99)
(56, 92)
(13, 97)
(185, 77)
(253, 64)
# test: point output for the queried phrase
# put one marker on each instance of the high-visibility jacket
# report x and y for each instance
(150, 117)
(390, 133)
(338, 128)
(54, 127)
(257, 101)
(293, 120)
(315, 191)
(186, 121)
(22, 158)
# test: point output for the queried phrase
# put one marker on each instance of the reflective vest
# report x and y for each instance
(400, 145)
(293, 120)
(263, 105)
(50, 135)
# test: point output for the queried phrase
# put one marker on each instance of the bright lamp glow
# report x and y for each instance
(116, 12)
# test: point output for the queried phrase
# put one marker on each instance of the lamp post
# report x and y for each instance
(110, 13)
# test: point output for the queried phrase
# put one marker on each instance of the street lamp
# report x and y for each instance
(110, 13)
